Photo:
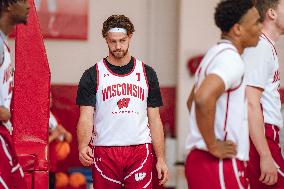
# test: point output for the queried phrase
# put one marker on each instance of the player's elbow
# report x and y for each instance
(253, 96)
(201, 100)
(253, 102)
(253, 105)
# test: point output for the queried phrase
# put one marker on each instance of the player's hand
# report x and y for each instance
(268, 170)
(55, 133)
(223, 149)
(67, 137)
(163, 172)
(86, 156)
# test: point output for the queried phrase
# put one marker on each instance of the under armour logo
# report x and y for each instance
(97, 159)
(140, 176)
(106, 75)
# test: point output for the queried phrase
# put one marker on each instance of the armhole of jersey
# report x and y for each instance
(145, 75)
(98, 77)
(226, 116)
(205, 73)
(237, 87)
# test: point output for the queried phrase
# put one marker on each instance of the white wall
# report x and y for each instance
(154, 41)
(280, 51)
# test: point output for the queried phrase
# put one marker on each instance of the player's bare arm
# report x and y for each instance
(205, 99)
(54, 135)
(60, 130)
(256, 127)
(84, 134)
(157, 132)
(4, 114)
(190, 99)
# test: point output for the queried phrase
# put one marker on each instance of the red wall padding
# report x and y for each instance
(30, 107)
(67, 112)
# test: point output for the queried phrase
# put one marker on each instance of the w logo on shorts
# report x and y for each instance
(140, 176)
(123, 103)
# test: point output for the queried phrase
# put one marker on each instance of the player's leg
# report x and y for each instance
(272, 136)
(138, 167)
(280, 164)
(235, 174)
(13, 170)
(5, 165)
(273, 139)
(18, 177)
(254, 169)
(17, 174)
(107, 168)
(204, 171)
(155, 178)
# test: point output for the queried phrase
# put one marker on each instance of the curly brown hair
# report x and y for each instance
(117, 21)
(227, 15)
(6, 3)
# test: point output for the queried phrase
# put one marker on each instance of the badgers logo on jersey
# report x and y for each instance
(123, 103)
(140, 176)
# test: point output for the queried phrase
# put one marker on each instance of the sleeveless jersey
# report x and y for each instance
(6, 81)
(121, 107)
(231, 107)
(262, 70)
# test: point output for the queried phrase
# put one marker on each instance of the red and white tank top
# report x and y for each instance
(231, 121)
(121, 107)
(6, 80)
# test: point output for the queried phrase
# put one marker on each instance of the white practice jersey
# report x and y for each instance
(262, 70)
(6, 80)
(121, 107)
(231, 122)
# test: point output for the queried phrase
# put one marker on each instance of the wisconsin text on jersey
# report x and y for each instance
(276, 76)
(123, 89)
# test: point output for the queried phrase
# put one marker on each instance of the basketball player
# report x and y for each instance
(218, 141)
(120, 96)
(12, 12)
(57, 133)
(266, 167)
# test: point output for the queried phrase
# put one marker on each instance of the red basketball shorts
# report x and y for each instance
(11, 173)
(128, 167)
(272, 137)
(204, 171)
